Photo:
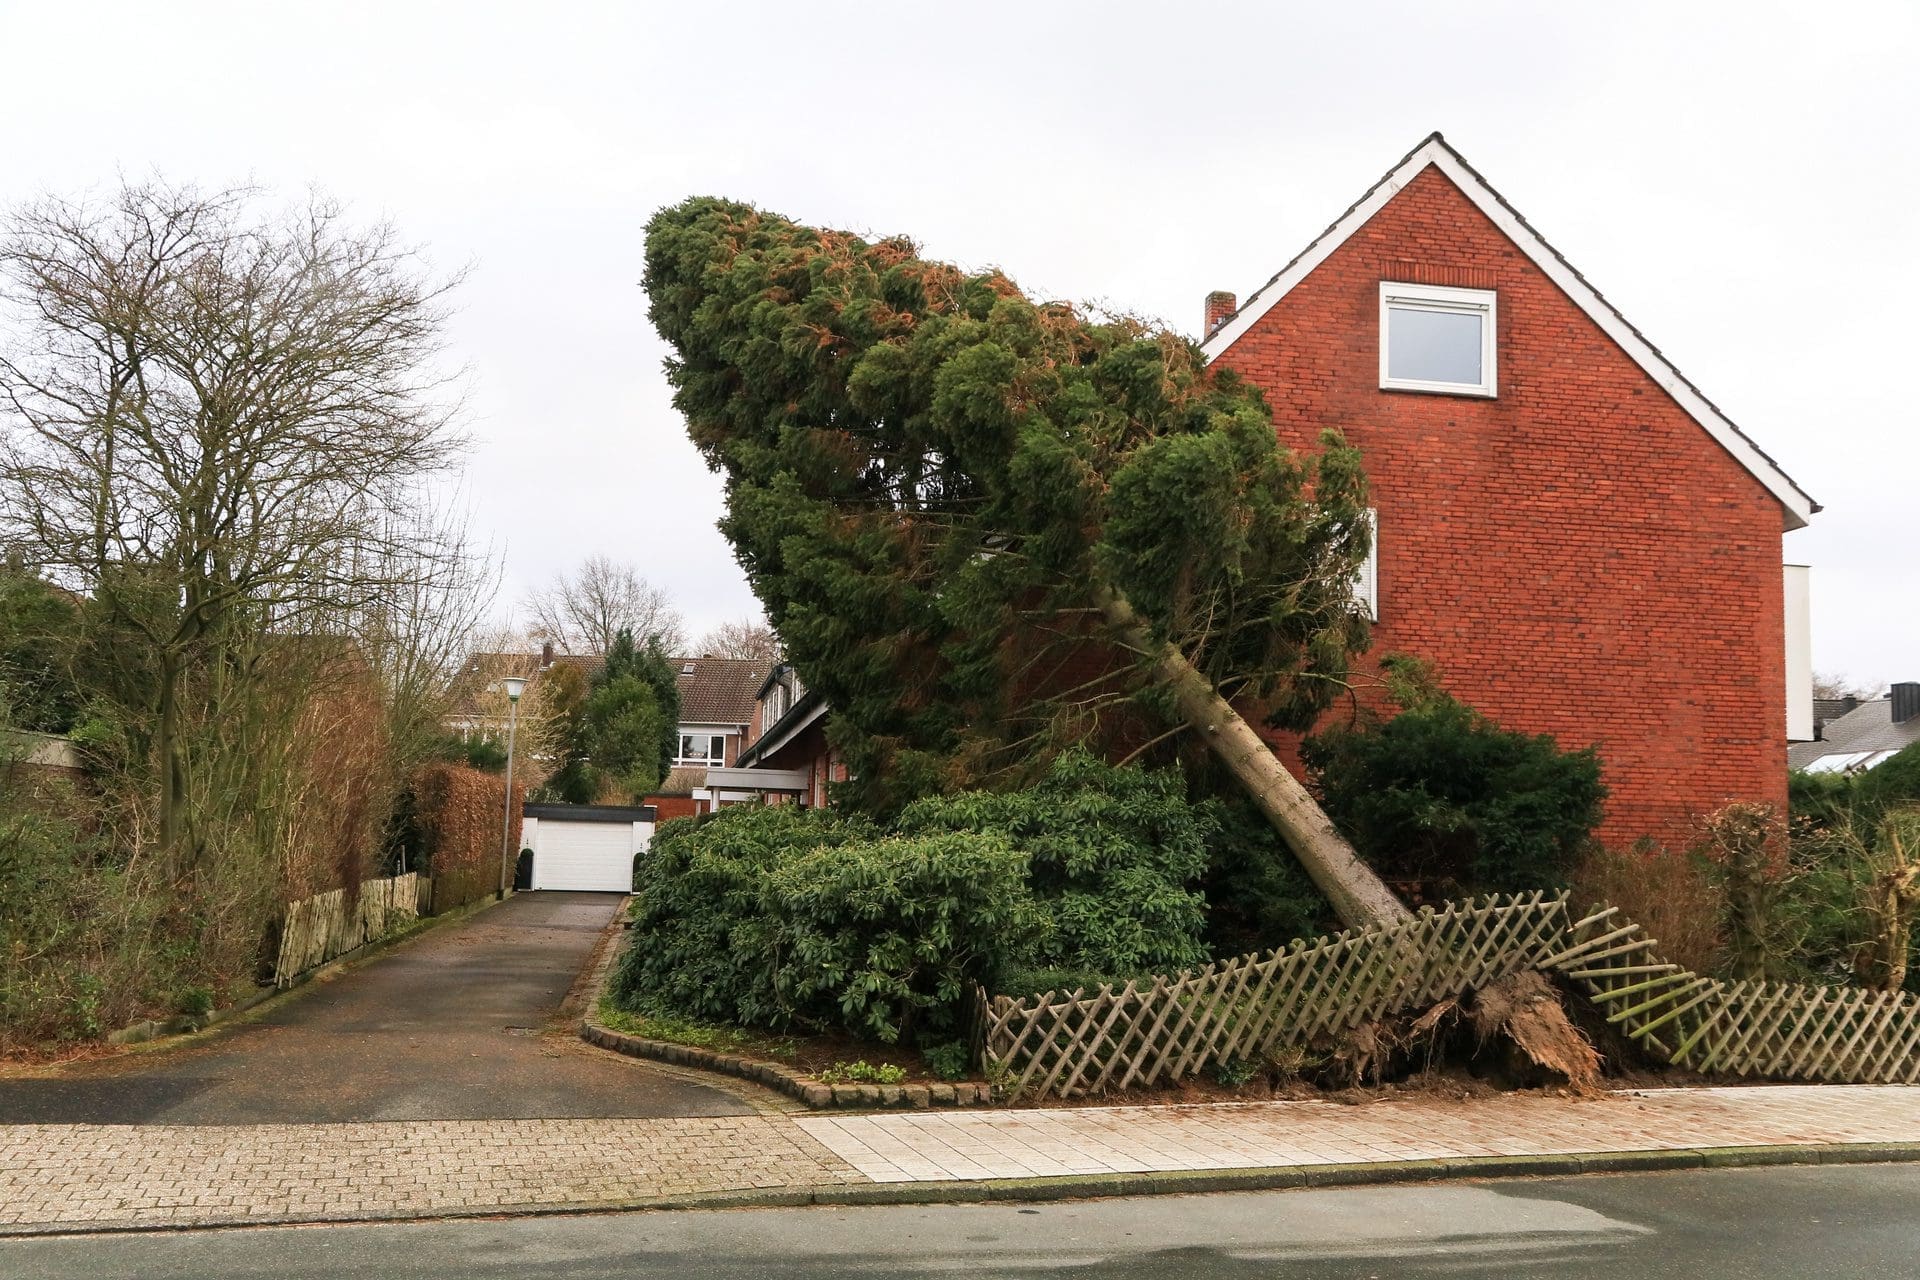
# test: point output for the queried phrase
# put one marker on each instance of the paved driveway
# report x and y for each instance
(463, 1022)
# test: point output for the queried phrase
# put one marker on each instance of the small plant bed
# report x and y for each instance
(826, 1069)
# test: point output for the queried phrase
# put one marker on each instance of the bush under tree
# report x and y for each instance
(1442, 795)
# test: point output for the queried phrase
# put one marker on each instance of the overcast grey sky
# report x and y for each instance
(1738, 178)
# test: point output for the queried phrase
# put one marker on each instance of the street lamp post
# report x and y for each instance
(514, 685)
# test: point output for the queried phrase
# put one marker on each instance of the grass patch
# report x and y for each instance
(675, 1029)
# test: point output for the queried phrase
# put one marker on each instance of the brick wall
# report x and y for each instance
(1578, 555)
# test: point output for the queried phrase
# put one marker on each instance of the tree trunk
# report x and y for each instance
(166, 747)
(1359, 897)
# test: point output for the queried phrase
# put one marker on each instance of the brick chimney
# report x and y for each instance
(546, 655)
(1906, 701)
(1220, 305)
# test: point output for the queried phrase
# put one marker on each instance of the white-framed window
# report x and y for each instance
(1366, 579)
(1437, 339)
(702, 749)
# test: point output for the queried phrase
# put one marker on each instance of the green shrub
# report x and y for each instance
(702, 881)
(1258, 894)
(780, 916)
(951, 1060)
(1440, 793)
(862, 1072)
(1024, 980)
(885, 935)
(1114, 853)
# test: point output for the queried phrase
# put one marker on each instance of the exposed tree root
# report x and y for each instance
(1514, 1030)
(1525, 1008)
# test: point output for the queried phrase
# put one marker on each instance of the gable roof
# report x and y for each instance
(1434, 152)
(1864, 736)
(719, 690)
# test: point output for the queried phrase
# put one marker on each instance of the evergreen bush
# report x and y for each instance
(780, 916)
(1441, 794)
(1115, 853)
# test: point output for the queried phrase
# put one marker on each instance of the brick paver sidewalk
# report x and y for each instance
(63, 1177)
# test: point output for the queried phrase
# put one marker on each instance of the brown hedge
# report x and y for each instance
(459, 812)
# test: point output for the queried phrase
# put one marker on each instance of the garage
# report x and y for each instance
(585, 847)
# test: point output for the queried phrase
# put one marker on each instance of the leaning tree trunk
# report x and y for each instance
(1359, 897)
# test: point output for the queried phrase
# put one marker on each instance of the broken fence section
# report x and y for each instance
(1166, 1028)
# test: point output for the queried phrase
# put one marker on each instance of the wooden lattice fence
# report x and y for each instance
(327, 925)
(1141, 1033)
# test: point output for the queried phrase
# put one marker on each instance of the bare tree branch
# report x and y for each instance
(583, 612)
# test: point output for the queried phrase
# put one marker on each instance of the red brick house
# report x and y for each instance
(1579, 539)
(787, 758)
(718, 706)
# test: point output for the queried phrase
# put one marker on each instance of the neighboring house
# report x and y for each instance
(1864, 736)
(1581, 541)
(787, 759)
(718, 700)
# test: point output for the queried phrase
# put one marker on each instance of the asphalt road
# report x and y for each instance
(1836, 1223)
(463, 1022)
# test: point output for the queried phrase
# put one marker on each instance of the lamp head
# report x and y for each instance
(514, 685)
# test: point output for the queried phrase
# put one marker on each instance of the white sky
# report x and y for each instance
(1738, 178)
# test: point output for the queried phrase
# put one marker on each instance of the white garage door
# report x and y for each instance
(584, 855)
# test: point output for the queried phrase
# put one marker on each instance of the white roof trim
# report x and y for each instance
(1797, 504)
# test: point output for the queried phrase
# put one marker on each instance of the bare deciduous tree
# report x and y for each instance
(750, 639)
(214, 420)
(585, 611)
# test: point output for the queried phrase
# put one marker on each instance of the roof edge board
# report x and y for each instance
(1797, 504)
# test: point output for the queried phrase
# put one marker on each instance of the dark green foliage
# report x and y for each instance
(626, 733)
(950, 1061)
(1441, 794)
(651, 666)
(480, 751)
(1839, 855)
(933, 481)
(1823, 801)
(887, 936)
(1893, 782)
(40, 635)
(1258, 897)
(781, 916)
(1023, 980)
(1114, 853)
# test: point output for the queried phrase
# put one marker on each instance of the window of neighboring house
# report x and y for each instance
(1435, 339)
(702, 749)
(1366, 580)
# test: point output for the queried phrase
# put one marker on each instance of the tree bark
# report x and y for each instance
(1358, 896)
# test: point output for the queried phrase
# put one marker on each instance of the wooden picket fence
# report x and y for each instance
(1141, 1033)
(325, 926)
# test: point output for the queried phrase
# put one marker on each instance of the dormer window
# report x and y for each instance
(1435, 339)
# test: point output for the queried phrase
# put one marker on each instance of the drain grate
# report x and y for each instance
(521, 1031)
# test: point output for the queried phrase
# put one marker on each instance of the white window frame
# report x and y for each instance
(717, 760)
(1429, 297)
(1366, 579)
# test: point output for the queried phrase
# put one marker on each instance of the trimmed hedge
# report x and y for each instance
(1114, 853)
(1443, 795)
(784, 917)
(781, 917)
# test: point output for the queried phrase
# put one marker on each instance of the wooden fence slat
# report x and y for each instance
(321, 928)
(1077, 1042)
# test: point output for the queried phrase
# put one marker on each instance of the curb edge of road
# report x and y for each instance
(1087, 1187)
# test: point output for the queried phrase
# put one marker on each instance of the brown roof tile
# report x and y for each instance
(719, 690)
